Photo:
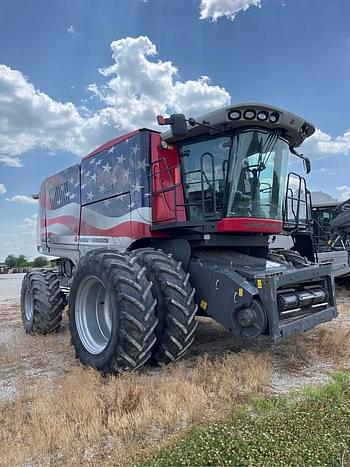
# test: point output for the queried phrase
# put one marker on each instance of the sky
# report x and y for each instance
(75, 73)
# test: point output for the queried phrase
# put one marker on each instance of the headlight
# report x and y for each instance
(249, 114)
(274, 117)
(263, 115)
(234, 115)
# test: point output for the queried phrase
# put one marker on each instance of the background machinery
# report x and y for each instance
(331, 227)
(150, 226)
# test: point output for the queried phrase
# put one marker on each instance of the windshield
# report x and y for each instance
(257, 175)
(242, 175)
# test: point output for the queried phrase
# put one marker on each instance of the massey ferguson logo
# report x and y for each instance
(259, 225)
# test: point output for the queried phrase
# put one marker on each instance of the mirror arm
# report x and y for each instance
(193, 122)
(301, 156)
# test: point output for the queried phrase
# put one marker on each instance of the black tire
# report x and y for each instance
(175, 307)
(295, 258)
(289, 257)
(129, 340)
(42, 302)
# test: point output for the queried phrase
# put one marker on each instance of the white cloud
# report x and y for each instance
(22, 199)
(215, 9)
(20, 240)
(2, 189)
(137, 88)
(71, 29)
(10, 161)
(30, 118)
(321, 144)
(344, 192)
(29, 224)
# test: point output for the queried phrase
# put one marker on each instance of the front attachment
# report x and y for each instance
(251, 296)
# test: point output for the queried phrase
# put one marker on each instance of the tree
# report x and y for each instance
(11, 261)
(22, 261)
(40, 262)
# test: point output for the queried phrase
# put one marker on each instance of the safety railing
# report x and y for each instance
(297, 204)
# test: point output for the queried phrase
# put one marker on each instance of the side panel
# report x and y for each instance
(63, 208)
(115, 194)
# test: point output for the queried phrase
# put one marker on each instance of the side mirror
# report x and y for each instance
(307, 165)
(178, 125)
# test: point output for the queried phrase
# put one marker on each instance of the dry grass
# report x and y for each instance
(66, 415)
(329, 343)
(85, 419)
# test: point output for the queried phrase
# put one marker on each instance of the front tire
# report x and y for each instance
(42, 302)
(175, 310)
(111, 312)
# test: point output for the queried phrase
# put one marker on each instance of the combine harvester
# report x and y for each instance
(151, 226)
(332, 236)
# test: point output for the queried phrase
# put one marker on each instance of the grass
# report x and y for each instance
(85, 418)
(300, 431)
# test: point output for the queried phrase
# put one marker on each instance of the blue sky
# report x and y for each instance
(64, 89)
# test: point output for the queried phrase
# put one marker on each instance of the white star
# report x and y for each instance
(142, 164)
(131, 205)
(93, 177)
(76, 185)
(68, 193)
(90, 196)
(99, 162)
(135, 150)
(106, 168)
(83, 186)
(102, 189)
(111, 150)
(137, 187)
(58, 201)
(107, 203)
(121, 159)
(71, 180)
(146, 195)
(72, 196)
(126, 173)
(92, 161)
(87, 173)
(121, 197)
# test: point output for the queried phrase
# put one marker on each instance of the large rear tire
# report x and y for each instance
(175, 307)
(111, 312)
(42, 302)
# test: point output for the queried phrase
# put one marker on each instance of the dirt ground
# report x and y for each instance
(150, 406)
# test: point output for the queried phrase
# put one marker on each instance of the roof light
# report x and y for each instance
(274, 117)
(234, 115)
(263, 116)
(249, 114)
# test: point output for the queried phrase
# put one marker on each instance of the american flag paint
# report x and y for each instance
(105, 200)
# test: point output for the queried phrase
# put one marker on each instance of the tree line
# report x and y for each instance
(21, 261)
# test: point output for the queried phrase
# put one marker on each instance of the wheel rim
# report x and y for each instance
(28, 305)
(93, 315)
